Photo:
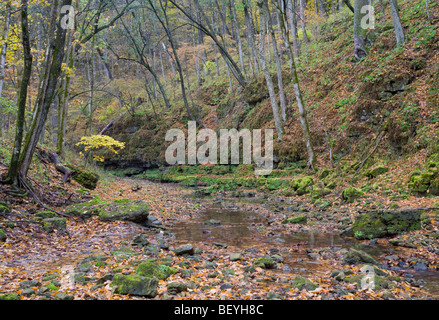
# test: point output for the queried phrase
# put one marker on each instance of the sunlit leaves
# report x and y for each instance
(96, 142)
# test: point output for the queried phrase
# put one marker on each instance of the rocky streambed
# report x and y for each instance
(220, 248)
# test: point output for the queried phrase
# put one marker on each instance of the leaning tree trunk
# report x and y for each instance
(399, 31)
(22, 96)
(302, 111)
(268, 80)
(46, 95)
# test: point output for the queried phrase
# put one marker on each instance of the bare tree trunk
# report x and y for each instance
(12, 176)
(238, 36)
(303, 18)
(399, 31)
(302, 112)
(48, 92)
(64, 94)
(250, 35)
(291, 8)
(5, 45)
(165, 25)
(283, 103)
(268, 80)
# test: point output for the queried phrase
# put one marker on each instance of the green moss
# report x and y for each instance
(51, 224)
(150, 268)
(299, 219)
(9, 296)
(86, 179)
(45, 214)
(302, 185)
(375, 172)
(266, 263)
(301, 283)
(123, 251)
(4, 207)
(351, 194)
(135, 285)
(368, 227)
(125, 211)
(3, 235)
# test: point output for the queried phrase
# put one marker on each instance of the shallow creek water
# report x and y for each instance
(237, 229)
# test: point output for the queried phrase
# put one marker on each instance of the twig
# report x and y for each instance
(28, 188)
(368, 156)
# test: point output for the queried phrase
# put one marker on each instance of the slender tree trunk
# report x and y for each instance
(264, 66)
(64, 95)
(291, 8)
(13, 171)
(5, 46)
(165, 25)
(48, 92)
(302, 113)
(303, 20)
(238, 36)
(282, 98)
(399, 30)
(250, 35)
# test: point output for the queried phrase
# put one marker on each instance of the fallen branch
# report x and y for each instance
(46, 155)
(29, 189)
(380, 137)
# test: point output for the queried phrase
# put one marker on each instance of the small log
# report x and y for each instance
(49, 156)
(67, 172)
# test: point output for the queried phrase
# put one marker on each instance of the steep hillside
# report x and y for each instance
(387, 101)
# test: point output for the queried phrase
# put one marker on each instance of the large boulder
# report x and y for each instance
(184, 249)
(151, 268)
(382, 223)
(122, 210)
(135, 285)
(358, 256)
(126, 211)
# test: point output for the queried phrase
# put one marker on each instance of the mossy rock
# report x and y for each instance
(376, 171)
(151, 268)
(302, 185)
(299, 219)
(265, 263)
(3, 235)
(51, 224)
(135, 285)
(358, 256)
(9, 296)
(302, 283)
(381, 223)
(420, 182)
(127, 211)
(351, 194)
(275, 184)
(45, 214)
(87, 179)
(176, 287)
(123, 251)
(4, 207)
(434, 187)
